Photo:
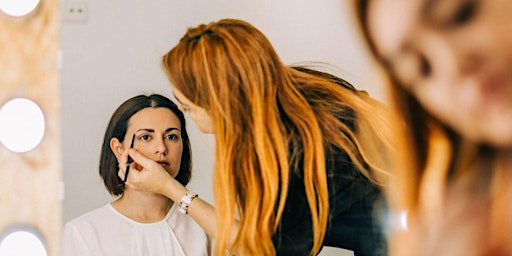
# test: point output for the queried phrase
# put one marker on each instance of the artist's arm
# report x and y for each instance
(148, 175)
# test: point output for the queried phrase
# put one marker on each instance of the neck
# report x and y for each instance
(144, 207)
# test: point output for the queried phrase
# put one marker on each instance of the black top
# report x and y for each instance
(353, 224)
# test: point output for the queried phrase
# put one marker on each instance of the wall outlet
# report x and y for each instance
(74, 11)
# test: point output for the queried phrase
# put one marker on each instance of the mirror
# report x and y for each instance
(115, 54)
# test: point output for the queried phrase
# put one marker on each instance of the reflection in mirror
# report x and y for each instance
(116, 53)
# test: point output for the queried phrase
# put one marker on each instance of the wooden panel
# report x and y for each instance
(28, 69)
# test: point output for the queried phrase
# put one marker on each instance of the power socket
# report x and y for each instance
(74, 11)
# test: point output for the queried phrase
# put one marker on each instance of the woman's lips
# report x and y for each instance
(163, 163)
(496, 86)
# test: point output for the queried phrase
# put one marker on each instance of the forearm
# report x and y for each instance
(201, 211)
(204, 214)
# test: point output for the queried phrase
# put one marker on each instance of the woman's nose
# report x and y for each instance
(469, 53)
(469, 63)
(160, 147)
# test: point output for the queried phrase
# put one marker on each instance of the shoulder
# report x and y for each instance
(95, 219)
(99, 212)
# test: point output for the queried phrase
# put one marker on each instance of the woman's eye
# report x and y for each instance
(463, 13)
(172, 137)
(144, 137)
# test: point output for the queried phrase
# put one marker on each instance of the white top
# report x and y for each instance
(105, 231)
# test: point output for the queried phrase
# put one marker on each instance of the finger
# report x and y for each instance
(124, 172)
(141, 160)
(121, 173)
(124, 159)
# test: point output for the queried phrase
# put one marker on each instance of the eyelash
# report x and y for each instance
(463, 13)
(173, 136)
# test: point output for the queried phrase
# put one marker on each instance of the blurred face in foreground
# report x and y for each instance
(455, 57)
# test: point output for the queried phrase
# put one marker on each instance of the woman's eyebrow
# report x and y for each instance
(145, 129)
(152, 130)
(171, 129)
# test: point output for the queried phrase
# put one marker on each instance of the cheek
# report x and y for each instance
(451, 109)
(438, 101)
(175, 152)
(144, 149)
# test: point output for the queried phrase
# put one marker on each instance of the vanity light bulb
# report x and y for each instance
(22, 243)
(18, 7)
(22, 125)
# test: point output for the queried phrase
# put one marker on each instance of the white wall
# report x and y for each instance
(116, 54)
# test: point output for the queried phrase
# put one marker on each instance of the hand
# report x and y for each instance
(145, 174)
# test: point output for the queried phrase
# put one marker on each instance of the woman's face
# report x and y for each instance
(157, 136)
(455, 57)
(198, 114)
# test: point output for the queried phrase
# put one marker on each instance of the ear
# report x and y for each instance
(117, 148)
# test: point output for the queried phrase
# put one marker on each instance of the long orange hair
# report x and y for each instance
(262, 109)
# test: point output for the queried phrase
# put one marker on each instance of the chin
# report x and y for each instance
(499, 133)
(173, 173)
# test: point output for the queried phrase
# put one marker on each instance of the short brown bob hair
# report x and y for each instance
(117, 129)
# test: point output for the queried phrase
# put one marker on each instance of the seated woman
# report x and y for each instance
(140, 222)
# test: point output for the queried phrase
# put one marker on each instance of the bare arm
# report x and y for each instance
(201, 211)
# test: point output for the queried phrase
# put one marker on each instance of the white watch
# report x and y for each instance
(185, 201)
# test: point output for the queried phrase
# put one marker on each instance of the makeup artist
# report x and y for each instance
(139, 222)
(292, 172)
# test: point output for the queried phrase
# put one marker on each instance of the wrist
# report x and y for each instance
(173, 190)
(185, 201)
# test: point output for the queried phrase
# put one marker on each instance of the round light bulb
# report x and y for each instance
(22, 125)
(18, 7)
(22, 243)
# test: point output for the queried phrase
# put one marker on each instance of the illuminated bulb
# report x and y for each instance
(22, 243)
(21, 125)
(18, 7)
